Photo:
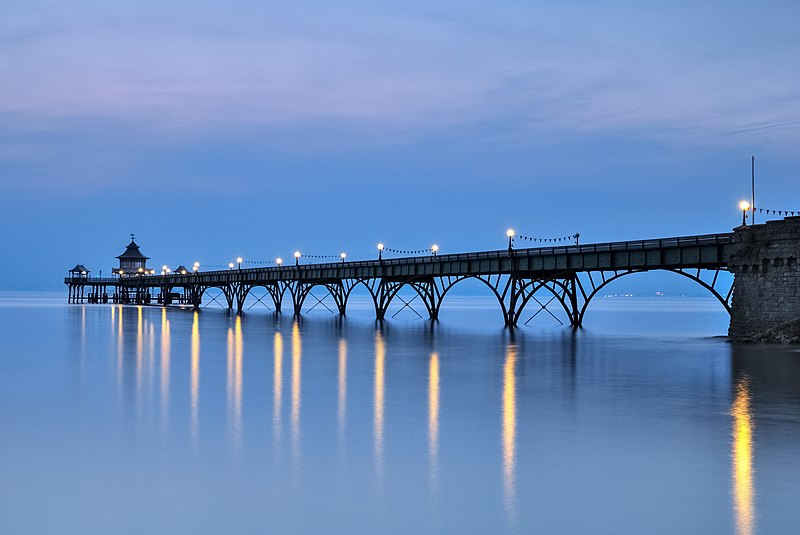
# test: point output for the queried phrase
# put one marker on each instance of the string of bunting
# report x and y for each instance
(574, 237)
(303, 255)
(258, 262)
(403, 251)
(777, 212)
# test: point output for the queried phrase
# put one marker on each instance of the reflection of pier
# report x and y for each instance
(761, 384)
(510, 431)
(743, 459)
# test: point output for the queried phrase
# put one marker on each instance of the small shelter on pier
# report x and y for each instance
(132, 262)
(79, 272)
(182, 270)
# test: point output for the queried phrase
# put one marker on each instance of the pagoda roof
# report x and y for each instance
(79, 268)
(182, 270)
(132, 253)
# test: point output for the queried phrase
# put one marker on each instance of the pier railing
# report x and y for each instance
(704, 240)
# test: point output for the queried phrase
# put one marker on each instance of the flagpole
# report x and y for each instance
(753, 187)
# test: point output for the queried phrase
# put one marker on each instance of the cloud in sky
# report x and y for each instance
(520, 69)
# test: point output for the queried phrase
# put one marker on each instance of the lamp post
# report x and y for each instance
(279, 261)
(380, 251)
(239, 261)
(230, 265)
(343, 256)
(744, 206)
(196, 267)
(297, 258)
(434, 249)
(510, 233)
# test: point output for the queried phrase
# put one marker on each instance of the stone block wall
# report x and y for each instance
(764, 262)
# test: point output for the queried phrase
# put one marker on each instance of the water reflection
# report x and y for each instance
(120, 339)
(342, 401)
(277, 387)
(194, 390)
(139, 356)
(433, 418)
(165, 358)
(297, 351)
(743, 459)
(380, 353)
(235, 354)
(509, 430)
(151, 355)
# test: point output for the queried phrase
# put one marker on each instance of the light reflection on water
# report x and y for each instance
(139, 357)
(297, 355)
(165, 363)
(195, 377)
(277, 387)
(341, 413)
(509, 431)
(433, 419)
(596, 434)
(380, 355)
(743, 459)
(234, 391)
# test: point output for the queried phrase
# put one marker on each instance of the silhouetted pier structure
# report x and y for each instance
(572, 275)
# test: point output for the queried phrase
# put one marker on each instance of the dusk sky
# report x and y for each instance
(212, 130)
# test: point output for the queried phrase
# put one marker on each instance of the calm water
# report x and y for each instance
(143, 420)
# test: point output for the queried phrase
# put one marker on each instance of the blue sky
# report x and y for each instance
(213, 130)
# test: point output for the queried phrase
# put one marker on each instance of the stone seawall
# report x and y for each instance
(766, 278)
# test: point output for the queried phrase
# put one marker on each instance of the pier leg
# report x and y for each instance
(575, 315)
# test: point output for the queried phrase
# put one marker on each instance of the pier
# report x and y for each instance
(573, 274)
(763, 259)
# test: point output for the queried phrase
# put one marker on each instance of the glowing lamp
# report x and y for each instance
(744, 206)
